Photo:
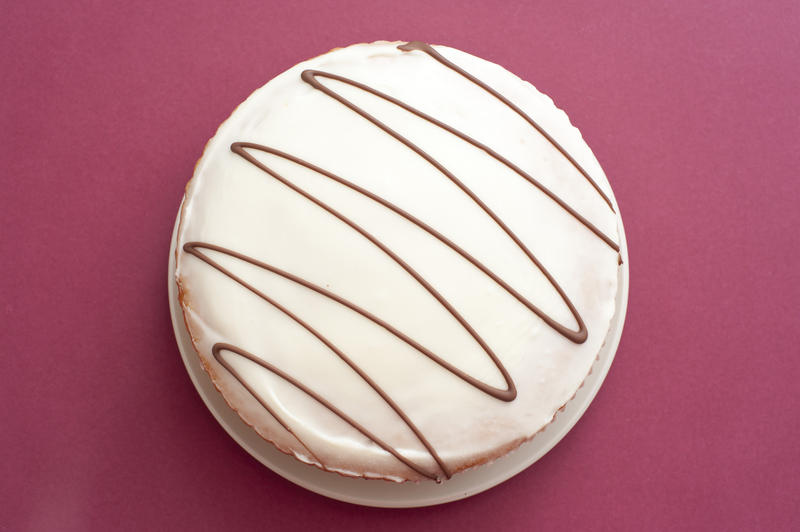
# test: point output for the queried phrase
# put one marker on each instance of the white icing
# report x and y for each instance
(232, 203)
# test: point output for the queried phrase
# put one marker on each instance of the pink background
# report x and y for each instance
(692, 108)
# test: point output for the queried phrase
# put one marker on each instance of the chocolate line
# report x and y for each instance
(309, 76)
(191, 248)
(507, 395)
(579, 336)
(428, 49)
(216, 350)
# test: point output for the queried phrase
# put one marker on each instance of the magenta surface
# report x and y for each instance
(691, 108)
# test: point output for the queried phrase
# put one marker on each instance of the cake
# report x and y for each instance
(397, 261)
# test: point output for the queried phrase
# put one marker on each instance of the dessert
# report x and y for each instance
(397, 261)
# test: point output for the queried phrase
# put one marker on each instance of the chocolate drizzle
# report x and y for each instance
(509, 393)
(428, 49)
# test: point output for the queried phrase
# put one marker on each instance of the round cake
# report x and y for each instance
(397, 261)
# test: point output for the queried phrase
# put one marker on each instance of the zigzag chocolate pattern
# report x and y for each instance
(507, 394)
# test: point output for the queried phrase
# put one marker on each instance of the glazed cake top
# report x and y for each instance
(397, 260)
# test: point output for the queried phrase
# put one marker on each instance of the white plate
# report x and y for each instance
(389, 494)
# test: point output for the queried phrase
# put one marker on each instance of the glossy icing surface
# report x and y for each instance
(397, 287)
